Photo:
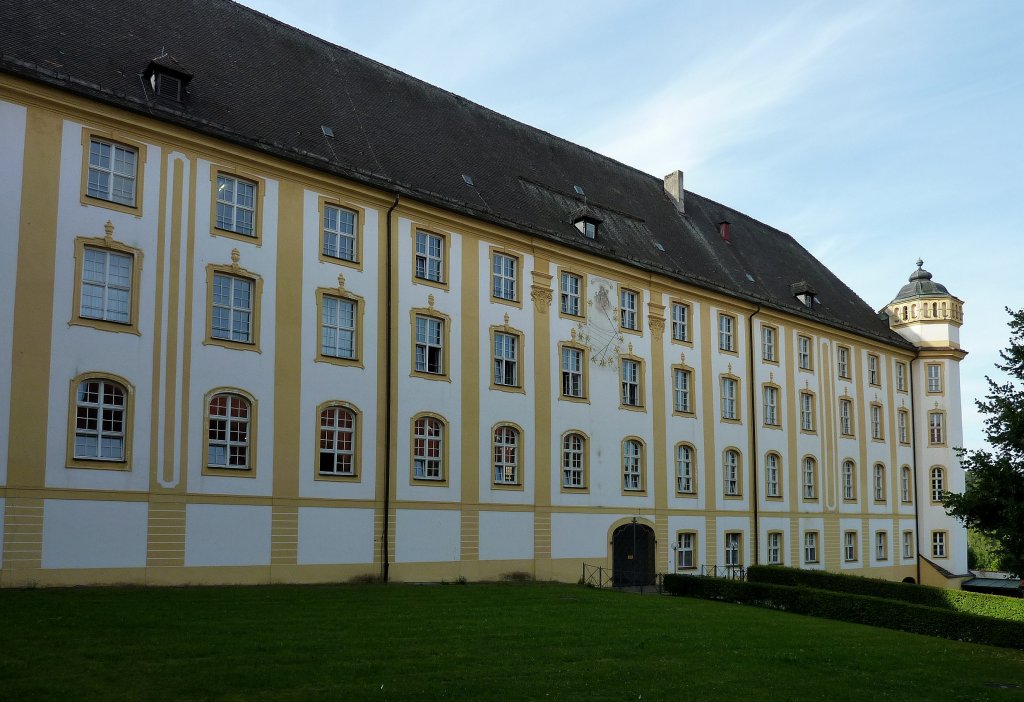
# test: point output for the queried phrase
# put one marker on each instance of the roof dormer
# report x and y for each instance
(167, 78)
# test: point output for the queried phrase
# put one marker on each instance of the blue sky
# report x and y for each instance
(873, 132)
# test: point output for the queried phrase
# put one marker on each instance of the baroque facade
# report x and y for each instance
(272, 312)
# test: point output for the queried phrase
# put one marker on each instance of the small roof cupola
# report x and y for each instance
(924, 309)
(167, 78)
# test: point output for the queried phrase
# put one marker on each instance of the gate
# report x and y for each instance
(633, 554)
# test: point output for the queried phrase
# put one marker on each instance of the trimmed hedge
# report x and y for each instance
(995, 606)
(858, 609)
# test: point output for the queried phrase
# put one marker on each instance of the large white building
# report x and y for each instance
(271, 311)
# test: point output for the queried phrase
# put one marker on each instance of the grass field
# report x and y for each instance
(487, 642)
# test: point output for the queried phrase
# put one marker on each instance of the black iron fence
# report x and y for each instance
(601, 577)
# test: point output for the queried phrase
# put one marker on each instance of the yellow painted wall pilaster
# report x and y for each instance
(470, 327)
(166, 531)
(284, 536)
(23, 541)
(540, 295)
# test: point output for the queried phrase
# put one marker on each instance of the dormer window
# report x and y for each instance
(166, 77)
(587, 227)
(723, 230)
(167, 86)
(803, 292)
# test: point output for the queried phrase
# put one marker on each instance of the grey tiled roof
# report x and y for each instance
(263, 84)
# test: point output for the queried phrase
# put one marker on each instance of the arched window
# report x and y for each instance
(685, 482)
(573, 460)
(427, 449)
(938, 476)
(632, 465)
(337, 441)
(227, 444)
(849, 481)
(506, 455)
(731, 472)
(904, 313)
(906, 493)
(879, 482)
(100, 420)
(810, 481)
(771, 475)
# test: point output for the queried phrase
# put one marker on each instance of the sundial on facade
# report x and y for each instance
(600, 333)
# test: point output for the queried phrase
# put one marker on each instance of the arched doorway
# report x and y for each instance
(633, 552)
(910, 581)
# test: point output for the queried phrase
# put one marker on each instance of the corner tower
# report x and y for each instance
(925, 313)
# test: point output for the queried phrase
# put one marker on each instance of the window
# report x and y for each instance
(430, 263)
(231, 308)
(879, 482)
(901, 376)
(906, 495)
(682, 381)
(106, 285)
(340, 235)
(938, 476)
(428, 434)
(680, 322)
(685, 483)
(849, 546)
(236, 205)
(571, 290)
(936, 430)
(628, 318)
(873, 369)
(803, 352)
(733, 555)
(881, 545)
(338, 327)
(573, 461)
(810, 482)
(731, 473)
(587, 227)
(631, 383)
(843, 361)
(504, 277)
(726, 325)
(908, 544)
(934, 371)
(506, 359)
(632, 466)
(771, 405)
(112, 170)
(771, 475)
(506, 455)
(768, 343)
(849, 481)
(774, 548)
(685, 551)
(728, 398)
(429, 345)
(876, 422)
(806, 411)
(101, 412)
(901, 425)
(939, 544)
(845, 419)
(337, 447)
(811, 547)
(228, 432)
(572, 373)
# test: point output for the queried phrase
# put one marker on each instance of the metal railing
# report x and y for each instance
(728, 572)
(601, 577)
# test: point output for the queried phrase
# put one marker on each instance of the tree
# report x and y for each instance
(993, 502)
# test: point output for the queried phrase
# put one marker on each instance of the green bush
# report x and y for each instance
(995, 606)
(858, 609)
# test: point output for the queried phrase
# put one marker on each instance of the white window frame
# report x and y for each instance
(505, 455)
(630, 374)
(849, 480)
(101, 420)
(732, 549)
(908, 544)
(878, 474)
(570, 289)
(680, 321)
(810, 547)
(873, 377)
(428, 449)
(572, 372)
(803, 344)
(632, 468)
(504, 277)
(114, 181)
(843, 361)
(934, 371)
(685, 542)
(337, 441)
(726, 332)
(233, 308)
(429, 260)
(628, 309)
(774, 548)
(901, 376)
(810, 482)
(684, 469)
(110, 287)
(236, 205)
(849, 546)
(771, 405)
(429, 348)
(937, 476)
(806, 411)
(939, 544)
(731, 473)
(936, 428)
(223, 426)
(506, 359)
(771, 475)
(681, 384)
(901, 424)
(845, 421)
(881, 545)
(905, 485)
(876, 422)
(728, 398)
(574, 447)
(340, 235)
(338, 327)
(768, 343)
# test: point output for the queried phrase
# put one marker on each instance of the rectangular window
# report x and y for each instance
(684, 469)
(628, 310)
(806, 411)
(873, 369)
(803, 352)
(112, 172)
(881, 545)
(771, 476)
(570, 286)
(901, 376)
(811, 547)
(845, 420)
(901, 423)
(572, 372)
(774, 548)
(574, 448)
(732, 549)
(429, 345)
(938, 544)
(726, 325)
(338, 327)
(236, 205)
(632, 476)
(843, 361)
(232, 308)
(681, 384)
(936, 432)
(504, 278)
(771, 405)
(849, 546)
(810, 474)
(631, 396)
(106, 285)
(731, 473)
(934, 377)
(506, 359)
(680, 321)
(768, 343)
(728, 398)
(879, 482)
(685, 551)
(339, 233)
(908, 544)
(876, 422)
(429, 256)
(849, 486)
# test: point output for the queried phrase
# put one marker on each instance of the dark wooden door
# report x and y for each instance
(633, 555)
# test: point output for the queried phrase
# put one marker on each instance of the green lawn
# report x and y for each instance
(490, 642)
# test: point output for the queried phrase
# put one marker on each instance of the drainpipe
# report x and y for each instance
(388, 302)
(917, 498)
(753, 430)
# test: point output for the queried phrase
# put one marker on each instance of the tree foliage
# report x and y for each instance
(993, 502)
